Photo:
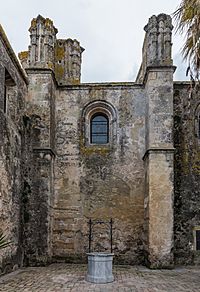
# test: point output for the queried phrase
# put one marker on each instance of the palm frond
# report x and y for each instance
(187, 18)
(3, 242)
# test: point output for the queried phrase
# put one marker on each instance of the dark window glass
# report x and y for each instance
(99, 129)
(199, 126)
(197, 239)
(5, 99)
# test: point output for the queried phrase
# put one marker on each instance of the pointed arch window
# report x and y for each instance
(99, 129)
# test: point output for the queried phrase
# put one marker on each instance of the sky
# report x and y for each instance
(111, 31)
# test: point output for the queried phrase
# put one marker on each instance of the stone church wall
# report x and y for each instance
(99, 182)
(12, 93)
(187, 172)
(53, 179)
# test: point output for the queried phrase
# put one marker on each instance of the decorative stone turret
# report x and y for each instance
(45, 51)
(156, 73)
(159, 31)
(157, 44)
(68, 61)
(43, 38)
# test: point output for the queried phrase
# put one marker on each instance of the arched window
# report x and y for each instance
(99, 124)
(99, 129)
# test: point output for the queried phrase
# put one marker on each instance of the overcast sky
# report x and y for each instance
(111, 31)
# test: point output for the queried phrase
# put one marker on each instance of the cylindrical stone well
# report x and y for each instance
(100, 267)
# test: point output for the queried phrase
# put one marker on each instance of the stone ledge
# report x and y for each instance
(44, 150)
(157, 68)
(150, 150)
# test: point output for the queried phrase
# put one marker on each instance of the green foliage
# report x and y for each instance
(3, 242)
(187, 18)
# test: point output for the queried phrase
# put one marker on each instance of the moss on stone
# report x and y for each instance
(59, 72)
(59, 52)
(75, 82)
(33, 23)
(48, 22)
(104, 150)
(23, 55)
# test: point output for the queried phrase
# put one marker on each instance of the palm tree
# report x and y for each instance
(3, 242)
(187, 18)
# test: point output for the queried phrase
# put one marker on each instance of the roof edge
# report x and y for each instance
(12, 54)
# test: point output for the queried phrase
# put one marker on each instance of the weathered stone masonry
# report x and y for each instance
(53, 179)
(13, 88)
(187, 172)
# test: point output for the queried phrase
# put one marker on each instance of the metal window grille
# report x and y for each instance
(99, 129)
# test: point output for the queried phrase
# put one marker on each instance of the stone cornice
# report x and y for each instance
(35, 70)
(157, 69)
(152, 150)
(45, 150)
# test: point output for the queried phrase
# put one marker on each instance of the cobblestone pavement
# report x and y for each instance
(66, 277)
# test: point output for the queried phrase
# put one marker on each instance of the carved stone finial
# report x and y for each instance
(43, 37)
(62, 56)
(68, 54)
(158, 30)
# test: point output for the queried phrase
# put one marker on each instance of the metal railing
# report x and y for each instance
(109, 224)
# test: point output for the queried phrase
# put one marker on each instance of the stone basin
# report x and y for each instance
(100, 267)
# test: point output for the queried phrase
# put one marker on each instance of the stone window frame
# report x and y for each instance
(195, 229)
(197, 122)
(100, 107)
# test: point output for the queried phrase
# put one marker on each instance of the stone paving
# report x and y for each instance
(66, 277)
